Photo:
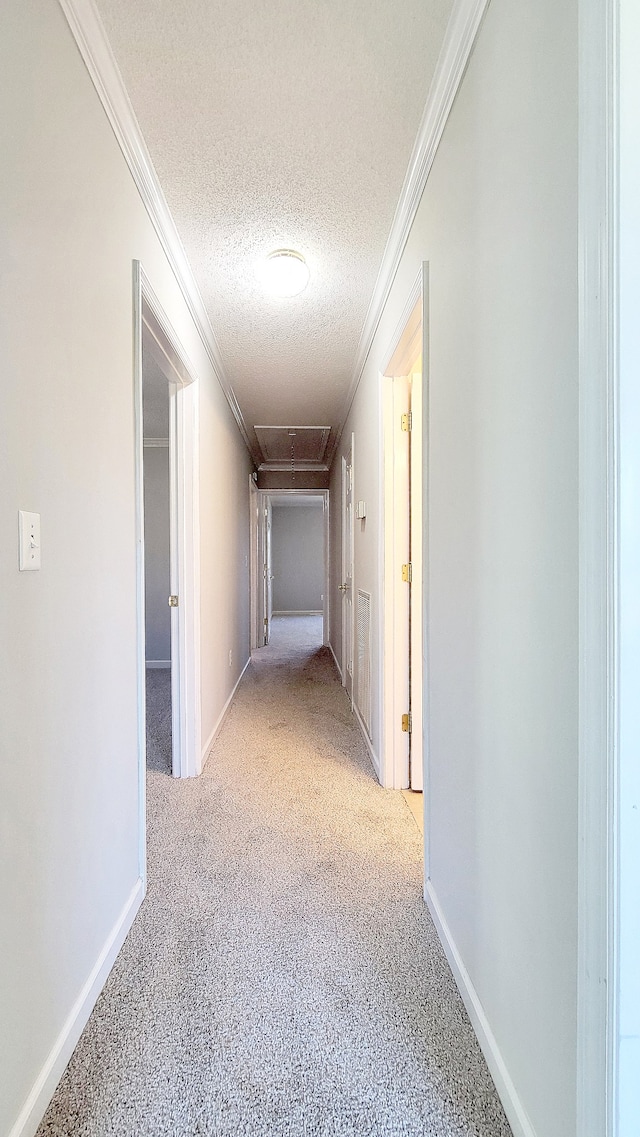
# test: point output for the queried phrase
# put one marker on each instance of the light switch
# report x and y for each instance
(29, 526)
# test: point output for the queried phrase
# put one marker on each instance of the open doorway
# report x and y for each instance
(167, 542)
(403, 631)
(158, 542)
(290, 534)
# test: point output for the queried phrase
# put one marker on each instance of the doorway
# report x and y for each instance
(289, 571)
(166, 408)
(159, 542)
(403, 627)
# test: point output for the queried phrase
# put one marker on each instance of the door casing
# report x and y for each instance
(184, 521)
(260, 499)
(404, 686)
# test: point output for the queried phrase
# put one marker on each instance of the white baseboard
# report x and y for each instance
(335, 659)
(157, 663)
(368, 743)
(36, 1104)
(513, 1107)
(211, 739)
(296, 612)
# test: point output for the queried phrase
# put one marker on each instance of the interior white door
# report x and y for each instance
(402, 589)
(346, 586)
(416, 668)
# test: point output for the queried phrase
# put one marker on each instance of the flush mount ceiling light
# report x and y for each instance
(284, 273)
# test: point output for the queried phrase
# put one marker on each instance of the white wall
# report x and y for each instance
(498, 225)
(157, 582)
(72, 223)
(297, 555)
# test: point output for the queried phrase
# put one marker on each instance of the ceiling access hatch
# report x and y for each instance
(293, 447)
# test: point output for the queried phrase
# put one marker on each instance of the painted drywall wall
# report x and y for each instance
(498, 225)
(629, 755)
(157, 581)
(72, 223)
(297, 556)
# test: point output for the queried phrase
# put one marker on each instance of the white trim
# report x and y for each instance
(403, 656)
(459, 40)
(212, 737)
(375, 761)
(141, 676)
(513, 1107)
(150, 664)
(185, 534)
(90, 36)
(257, 578)
(335, 660)
(326, 615)
(426, 634)
(254, 524)
(36, 1104)
(157, 442)
(295, 612)
(598, 569)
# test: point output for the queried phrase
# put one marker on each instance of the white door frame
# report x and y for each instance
(184, 501)
(408, 342)
(609, 648)
(257, 536)
(254, 560)
(348, 677)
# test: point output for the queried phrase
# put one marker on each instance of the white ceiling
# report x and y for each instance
(281, 124)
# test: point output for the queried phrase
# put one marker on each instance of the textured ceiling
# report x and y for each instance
(287, 123)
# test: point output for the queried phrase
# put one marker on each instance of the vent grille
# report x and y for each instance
(363, 669)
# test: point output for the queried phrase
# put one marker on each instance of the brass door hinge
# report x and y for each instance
(407, 572)
(265, 621)
(173, 601)
(407, 421)
(406, 723)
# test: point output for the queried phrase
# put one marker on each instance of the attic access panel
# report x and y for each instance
(305, 446)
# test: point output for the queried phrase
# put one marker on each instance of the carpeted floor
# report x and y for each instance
(159, 719)
(283, 976)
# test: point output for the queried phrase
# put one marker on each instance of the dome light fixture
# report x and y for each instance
(284, 273)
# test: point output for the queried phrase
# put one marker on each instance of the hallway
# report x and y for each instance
(283, 976)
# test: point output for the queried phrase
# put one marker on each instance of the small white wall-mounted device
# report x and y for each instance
(361, 510)
(29, 529)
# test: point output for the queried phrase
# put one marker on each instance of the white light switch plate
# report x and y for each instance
(29, 526)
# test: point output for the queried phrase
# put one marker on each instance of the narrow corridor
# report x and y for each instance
(283, 976)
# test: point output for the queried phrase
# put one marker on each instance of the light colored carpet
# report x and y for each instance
(158, 686)
(283, 977)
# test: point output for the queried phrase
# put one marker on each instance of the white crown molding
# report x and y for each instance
(460, 37)
(90, 36)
